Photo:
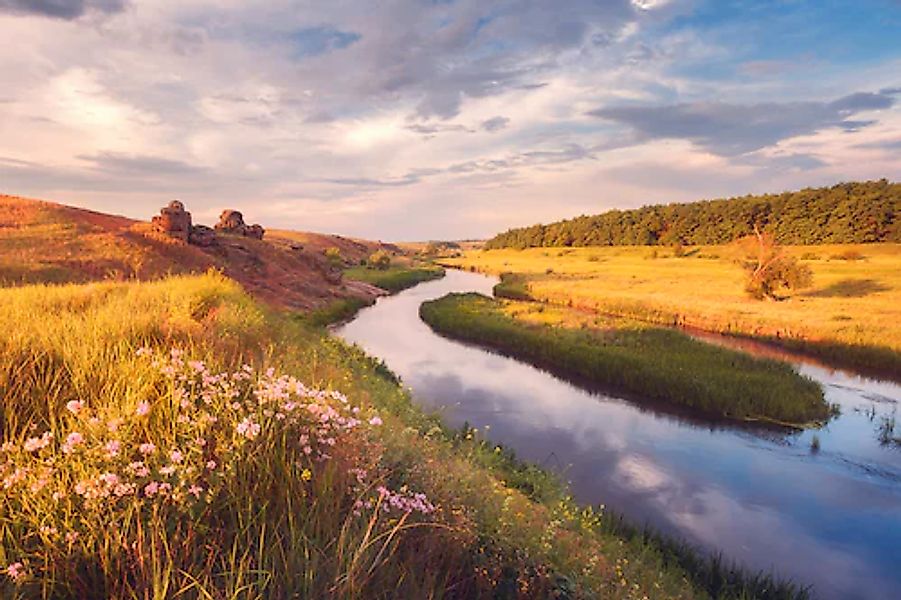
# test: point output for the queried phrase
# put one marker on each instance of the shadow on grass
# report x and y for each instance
(849, 288)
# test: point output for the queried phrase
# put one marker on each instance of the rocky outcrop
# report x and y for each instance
(174, 221)
(232, 221)
(201, 235)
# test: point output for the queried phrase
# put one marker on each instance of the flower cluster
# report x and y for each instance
(176, 448)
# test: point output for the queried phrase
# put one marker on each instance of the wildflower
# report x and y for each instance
(195, 490)
(72, 440)
(71, 537)
(142, 409)
(176, 456)
(306, 475)
(15, 571)
(147, 448)
(151, 489)
(112, 448)
(74, 406)
(248, 428)
(37, 443)
(211, 465)
(376, 420)
(138, 469)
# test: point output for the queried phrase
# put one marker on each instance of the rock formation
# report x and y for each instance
(174, 221)
(201, 235)
(232, 221)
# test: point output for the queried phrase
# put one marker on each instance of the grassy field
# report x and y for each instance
(625, 356)
(177, 439)
(850, 316)
(396, 277)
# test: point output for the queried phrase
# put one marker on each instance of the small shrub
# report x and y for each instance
(380, 260)
(768, 268)
(849, 255)
(333, 254)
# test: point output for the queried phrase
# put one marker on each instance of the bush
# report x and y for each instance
(333, 254)
(769, 269)
(380, 260)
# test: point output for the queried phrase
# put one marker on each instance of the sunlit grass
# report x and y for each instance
(650, 363)
(268, 520)
(396, 277)
(852, 314)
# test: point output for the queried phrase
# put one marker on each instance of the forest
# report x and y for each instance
(847, 213)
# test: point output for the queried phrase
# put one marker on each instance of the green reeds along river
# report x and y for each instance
(829, 518)
(649, 363)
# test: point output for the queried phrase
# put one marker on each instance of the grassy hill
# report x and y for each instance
(43, 242)
(178, 438)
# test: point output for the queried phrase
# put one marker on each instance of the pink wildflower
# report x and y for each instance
(112, 448)
(72, 440)
(248, 428)
(142, 409)
(146, 448)
(176, 456)
(74, 406)
(376, 420)
(15, 571)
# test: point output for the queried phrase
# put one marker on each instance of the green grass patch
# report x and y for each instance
(658, 365)
(395, 278)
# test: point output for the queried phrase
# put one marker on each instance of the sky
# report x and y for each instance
(441, 119)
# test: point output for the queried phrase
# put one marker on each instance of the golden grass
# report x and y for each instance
(851, 301)
(267, 529)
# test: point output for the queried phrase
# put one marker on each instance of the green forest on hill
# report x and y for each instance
(847, 213)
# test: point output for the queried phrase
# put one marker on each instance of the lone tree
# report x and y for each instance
(768, 267)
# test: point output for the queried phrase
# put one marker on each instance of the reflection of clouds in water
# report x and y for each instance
(763, 498)
(640, 474)
(725, 523)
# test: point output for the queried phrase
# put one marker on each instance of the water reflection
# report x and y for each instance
(830, 518)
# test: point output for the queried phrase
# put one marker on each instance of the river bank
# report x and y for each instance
(850, 317)
(759, 497)
(649, 363)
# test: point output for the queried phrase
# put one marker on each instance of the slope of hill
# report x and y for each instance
(43, 242)
(848, 213)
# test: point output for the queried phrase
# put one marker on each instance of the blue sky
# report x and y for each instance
(416, 119)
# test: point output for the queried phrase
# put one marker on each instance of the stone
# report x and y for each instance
(232, 221)
(201, 235)
(173, 221)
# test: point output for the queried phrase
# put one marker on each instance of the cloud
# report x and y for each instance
(61, 9)
(734, 129)
(495, 124)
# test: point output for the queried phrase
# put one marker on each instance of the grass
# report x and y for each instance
(850, 317)
(653, 364)
(244, 391)
(396, 277)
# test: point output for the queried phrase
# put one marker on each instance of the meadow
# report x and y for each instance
(625, 356)
(178, 439)
(395, 278)
(851, 316)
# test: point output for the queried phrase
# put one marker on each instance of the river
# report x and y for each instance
(829, 518)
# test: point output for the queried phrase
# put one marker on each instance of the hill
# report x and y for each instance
(44, 242)
(848, 213)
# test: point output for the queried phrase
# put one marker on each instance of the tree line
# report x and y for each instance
(847, 213)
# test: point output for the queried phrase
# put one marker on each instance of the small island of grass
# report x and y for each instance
(659, 365)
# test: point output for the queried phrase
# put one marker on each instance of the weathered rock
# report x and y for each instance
(201, 235)
(255, 231)
(174, 221)
(232, 221)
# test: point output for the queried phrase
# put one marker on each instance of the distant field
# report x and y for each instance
(852, 311)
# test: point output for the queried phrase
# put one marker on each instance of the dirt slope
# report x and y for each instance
(43, 242)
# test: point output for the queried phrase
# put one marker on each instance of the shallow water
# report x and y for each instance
(830, 519)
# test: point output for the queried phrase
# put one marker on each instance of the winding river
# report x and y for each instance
(829, 518)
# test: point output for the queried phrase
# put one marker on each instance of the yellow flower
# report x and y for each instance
(306, 475)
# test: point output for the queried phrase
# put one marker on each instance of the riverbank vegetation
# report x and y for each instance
(178, 439)
(395, 277)
(649, 363)
(850, 316)
(848, 213)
